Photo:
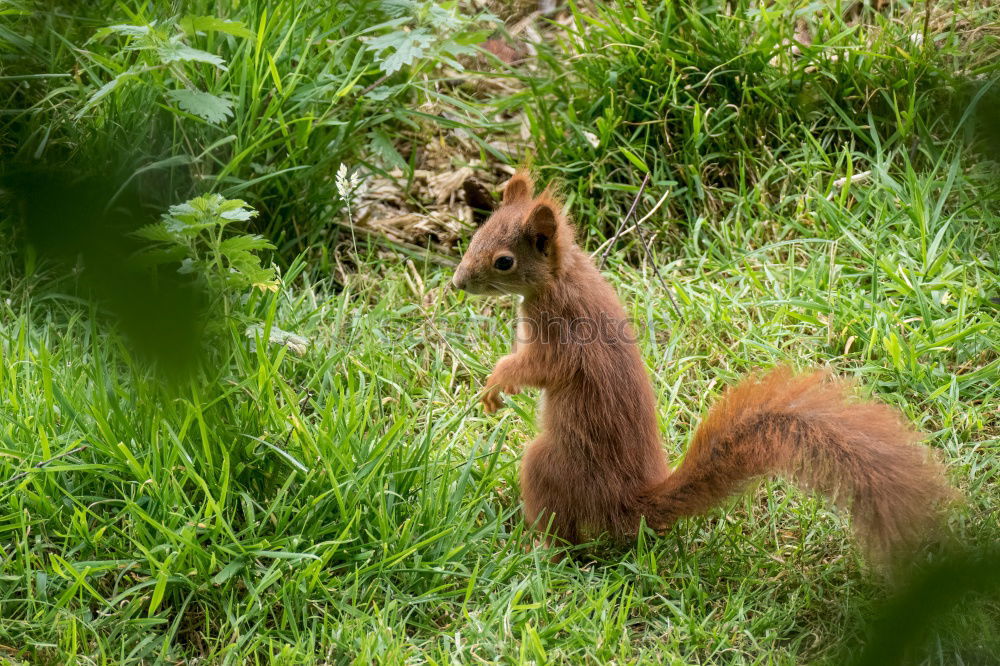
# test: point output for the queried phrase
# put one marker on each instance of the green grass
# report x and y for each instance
(354, 504)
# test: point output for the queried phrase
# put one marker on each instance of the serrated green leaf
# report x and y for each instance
(187, 228)
(241, 260)
(205, 105)
(397, 8)
(226, 204)
(104, 91)
(178, 52)
(238, 214)
(184, 210)
(444, 19)
(404, 48)
(123, 29)
(237, 243)
(154, 232)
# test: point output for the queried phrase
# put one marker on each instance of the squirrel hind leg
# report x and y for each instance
(556, 529)
(545, 491)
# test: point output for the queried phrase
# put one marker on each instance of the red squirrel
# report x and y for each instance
(598, 466)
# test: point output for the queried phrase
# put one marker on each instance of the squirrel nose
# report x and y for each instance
(459, 279)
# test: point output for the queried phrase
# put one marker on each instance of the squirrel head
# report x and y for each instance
(519, 248)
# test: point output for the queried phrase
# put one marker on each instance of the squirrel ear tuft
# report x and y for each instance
(518, 188)
(542, 224)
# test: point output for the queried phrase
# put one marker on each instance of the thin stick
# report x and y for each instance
(663, 283)
(375, 85)
(43, 464)
(621, 227)
(642, 240)
(636, 224)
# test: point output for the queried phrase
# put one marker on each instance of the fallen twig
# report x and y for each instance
(637, 227)
(375, 85)
(621, 227)
(636, 224)
(656, 270)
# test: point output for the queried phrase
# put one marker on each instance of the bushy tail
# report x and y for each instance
(807, 429)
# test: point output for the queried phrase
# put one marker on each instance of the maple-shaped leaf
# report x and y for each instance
(404, 47)
(205, 105)
(176, 51)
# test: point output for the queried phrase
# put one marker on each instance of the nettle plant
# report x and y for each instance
(418, 34)
(196, 236)
(423, 31)
(161, 54)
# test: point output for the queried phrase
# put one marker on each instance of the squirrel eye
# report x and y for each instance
(504, 263)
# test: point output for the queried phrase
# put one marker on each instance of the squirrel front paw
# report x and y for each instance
(491, 395)
(491, 400)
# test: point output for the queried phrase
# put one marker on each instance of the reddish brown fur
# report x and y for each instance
(598, 465)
